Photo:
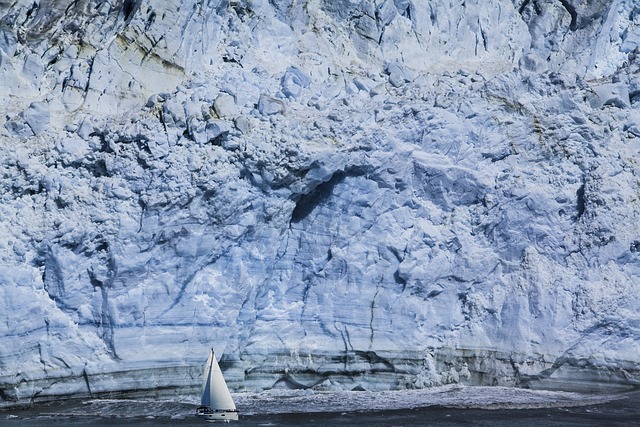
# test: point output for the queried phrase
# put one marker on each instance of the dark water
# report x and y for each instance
(624, 411)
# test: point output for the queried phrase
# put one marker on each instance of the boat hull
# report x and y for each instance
(219, 415)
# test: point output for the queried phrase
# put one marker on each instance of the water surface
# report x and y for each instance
(445, 406)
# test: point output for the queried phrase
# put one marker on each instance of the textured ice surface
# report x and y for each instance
(333, 194)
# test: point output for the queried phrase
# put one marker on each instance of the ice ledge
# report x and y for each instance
(357, 370)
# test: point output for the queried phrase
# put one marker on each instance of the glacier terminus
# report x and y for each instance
(334, 194)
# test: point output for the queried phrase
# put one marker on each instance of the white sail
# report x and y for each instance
(215, 393)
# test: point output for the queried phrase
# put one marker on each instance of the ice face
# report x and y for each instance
(334, 195)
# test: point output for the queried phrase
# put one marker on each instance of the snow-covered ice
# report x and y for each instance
(335, 195)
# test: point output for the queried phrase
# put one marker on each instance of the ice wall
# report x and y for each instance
(332, 194)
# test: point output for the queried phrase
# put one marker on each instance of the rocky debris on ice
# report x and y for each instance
(384, 194)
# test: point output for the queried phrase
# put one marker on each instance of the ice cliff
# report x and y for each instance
(332, 194)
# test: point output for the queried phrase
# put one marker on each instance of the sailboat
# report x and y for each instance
(216, 403)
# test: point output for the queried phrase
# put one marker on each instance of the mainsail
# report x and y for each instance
(215, 393)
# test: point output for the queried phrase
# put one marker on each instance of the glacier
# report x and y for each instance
(335, 195)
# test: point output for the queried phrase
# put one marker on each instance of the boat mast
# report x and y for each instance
(215, 393)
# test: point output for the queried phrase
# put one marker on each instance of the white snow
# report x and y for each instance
(381, 194)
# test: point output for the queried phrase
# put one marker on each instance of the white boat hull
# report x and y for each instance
(220, 415)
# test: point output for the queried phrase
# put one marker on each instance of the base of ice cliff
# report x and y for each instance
(332, 194)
